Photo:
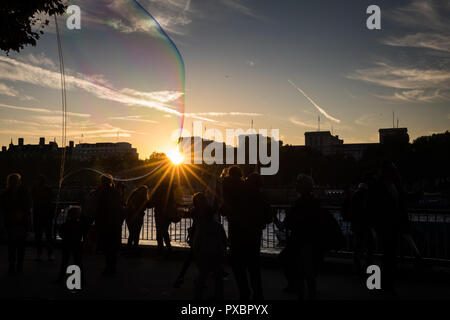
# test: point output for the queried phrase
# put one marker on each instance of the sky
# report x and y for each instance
(281, 64)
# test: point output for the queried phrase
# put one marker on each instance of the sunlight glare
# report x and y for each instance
(175, 156)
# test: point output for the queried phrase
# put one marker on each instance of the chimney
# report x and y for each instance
(41, 141)
(3, 149)
(71, 144)
(20, 141)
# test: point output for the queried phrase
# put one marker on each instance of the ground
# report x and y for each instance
(152, 277)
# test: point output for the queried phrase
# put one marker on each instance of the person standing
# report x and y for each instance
(303, 248)
(43, 212)
(108, 221)
(135, 210)
(163, 201)
(247, 214)
(209, 245)
(390, 218)
(72, 234)
(15, 205)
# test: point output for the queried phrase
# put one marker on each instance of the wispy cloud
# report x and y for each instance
(434, 41)
(367, 119)
(39, 59)
(415, 96)
(161, 96)
(301, 123)
(134, 118)
(423, 14)
(13, 70)
(87, 131)
(229, 114)
(11, 92)
(8, 91)
(251, 63)
(238, 6)
(389, 75)
(428, 81)
(43, 110)
(322, 111)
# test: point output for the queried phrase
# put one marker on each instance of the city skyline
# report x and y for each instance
(245, 62)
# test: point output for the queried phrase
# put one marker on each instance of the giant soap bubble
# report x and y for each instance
(124, 70)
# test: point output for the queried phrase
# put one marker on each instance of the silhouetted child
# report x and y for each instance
(198, 200)
(208, 247)
(71, 232)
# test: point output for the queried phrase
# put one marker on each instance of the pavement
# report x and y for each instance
(151, 277)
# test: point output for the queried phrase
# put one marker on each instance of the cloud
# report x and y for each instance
(89, 130)
(423, 14)
(301, 123)
(39, 60)
(20, 122)
(161, 96)
(418, 96)
(238, 6)
(424, 79)
(389, 75)
(11, 92)
(232, 114)
(43, 110)
(434, 41)
(367, 119)
(13, 70)
(134, 118)
(315, 104)
(8, 91)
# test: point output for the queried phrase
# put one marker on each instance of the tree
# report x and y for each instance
(22, 22)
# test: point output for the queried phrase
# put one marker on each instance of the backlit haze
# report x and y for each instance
(281, 64)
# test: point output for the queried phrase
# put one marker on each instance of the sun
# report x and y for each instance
(175, 156)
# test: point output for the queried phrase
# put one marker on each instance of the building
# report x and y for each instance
(328, 144)
(247, 152)
(319, 139)
(102, 150)
(81, 152)
(394, 135)
(23, 151)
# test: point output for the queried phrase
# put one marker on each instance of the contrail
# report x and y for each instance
(315, 104)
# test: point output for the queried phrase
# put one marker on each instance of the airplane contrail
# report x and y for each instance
(315, 104)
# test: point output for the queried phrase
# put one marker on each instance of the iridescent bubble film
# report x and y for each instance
(124, 70)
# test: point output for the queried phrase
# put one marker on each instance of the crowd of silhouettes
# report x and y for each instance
(377, 205)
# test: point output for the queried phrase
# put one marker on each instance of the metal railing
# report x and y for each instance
(430, 231)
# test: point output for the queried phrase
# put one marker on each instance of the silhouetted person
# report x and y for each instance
(303, 247)
(108, 221)
(135, 211)
(361, 228)
(15, 206)
(246, 212)
(200, 206)
(163, 201)
(43, 212)
(257, 214)
(72, 233)
(208, 247)
(390, 217)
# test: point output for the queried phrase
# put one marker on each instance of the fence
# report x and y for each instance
(430, 231)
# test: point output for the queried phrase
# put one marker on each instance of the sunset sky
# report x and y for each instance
(244, 60)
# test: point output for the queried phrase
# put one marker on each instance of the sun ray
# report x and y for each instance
(199, 179)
